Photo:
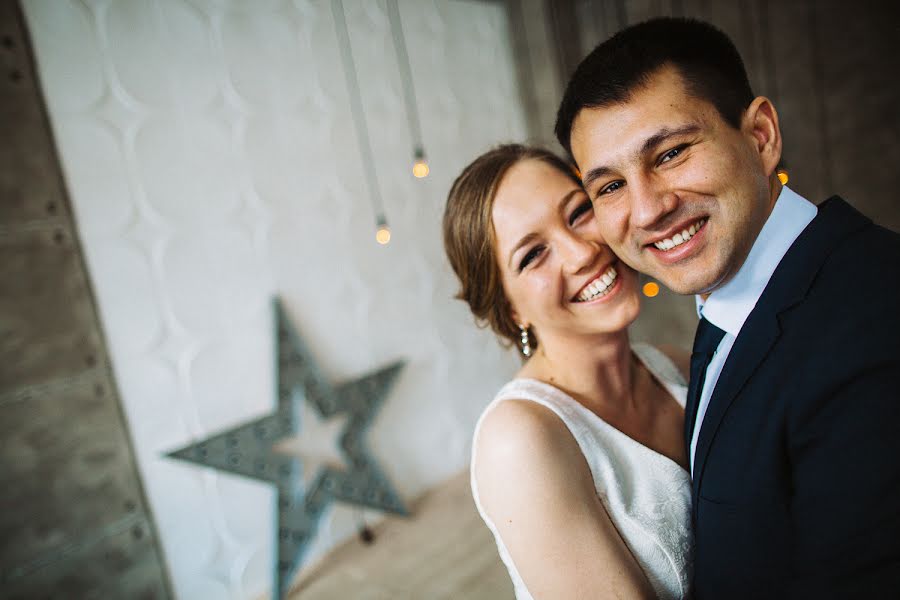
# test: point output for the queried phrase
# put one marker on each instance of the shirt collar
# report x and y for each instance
(730, 305)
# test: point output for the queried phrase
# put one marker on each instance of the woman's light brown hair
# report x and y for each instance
(469, 238)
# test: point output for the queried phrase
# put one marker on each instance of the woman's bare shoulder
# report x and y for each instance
(521, 443)
(535, 485)
(516, 430)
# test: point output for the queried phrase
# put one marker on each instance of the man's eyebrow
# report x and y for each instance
(665, 133)
(529, 237)
(594, 174)
(649, 144)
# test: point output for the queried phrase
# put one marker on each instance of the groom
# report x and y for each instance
(793, 414)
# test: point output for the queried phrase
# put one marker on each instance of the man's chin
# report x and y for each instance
(686, 284)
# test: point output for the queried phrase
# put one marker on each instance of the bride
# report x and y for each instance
(578, 464)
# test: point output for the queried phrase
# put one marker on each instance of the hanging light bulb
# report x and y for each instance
(383, 233)
(420, 166)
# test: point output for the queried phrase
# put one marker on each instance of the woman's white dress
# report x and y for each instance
(647, 495)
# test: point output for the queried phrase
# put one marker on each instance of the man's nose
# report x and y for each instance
(652, 201)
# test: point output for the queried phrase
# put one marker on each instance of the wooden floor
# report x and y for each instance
(443, 551)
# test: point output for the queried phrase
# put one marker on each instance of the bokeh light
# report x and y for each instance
(651, 289)
(420, 169)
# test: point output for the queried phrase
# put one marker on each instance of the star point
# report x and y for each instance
(276, 449)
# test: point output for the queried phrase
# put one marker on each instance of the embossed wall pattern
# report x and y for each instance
(209, 153)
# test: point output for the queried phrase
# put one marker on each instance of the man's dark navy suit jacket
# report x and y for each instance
(796, 488)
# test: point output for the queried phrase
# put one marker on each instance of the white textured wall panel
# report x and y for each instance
(211, 158)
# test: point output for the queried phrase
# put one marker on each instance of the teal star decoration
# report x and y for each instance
(305, 487)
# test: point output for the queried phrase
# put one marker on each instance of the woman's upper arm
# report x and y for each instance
(536, 486)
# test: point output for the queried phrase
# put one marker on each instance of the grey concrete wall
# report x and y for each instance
(73, 518)
(535, 51)
(829, 67)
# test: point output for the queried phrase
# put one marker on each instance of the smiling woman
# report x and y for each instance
(469, 233)
(578, 458)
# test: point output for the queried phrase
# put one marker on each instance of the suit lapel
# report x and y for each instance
(788, 287)
(751, 347)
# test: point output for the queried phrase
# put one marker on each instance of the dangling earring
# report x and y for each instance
(525, 344)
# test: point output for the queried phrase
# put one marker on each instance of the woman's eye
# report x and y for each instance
(529, 257)
(584, 207)
(612, 187)
(672, 153)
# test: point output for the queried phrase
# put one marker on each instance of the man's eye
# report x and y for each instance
(672, 153)
(612, 187)
(584, 207)
(530, 256)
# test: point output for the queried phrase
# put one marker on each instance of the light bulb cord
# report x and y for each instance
(356, 108)
(406, 78)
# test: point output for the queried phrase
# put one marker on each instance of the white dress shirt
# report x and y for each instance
(729, 306)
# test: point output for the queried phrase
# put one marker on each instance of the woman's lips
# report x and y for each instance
(601, 287)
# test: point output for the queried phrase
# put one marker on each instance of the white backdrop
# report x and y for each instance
(210, 156)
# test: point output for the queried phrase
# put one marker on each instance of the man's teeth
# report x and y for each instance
(598, 287)
(680, 238)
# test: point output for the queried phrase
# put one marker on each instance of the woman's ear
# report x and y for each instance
(760, 121)
(514, 315)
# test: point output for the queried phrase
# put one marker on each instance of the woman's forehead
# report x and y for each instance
(529, 194)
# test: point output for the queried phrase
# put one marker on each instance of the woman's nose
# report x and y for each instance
(580, 253)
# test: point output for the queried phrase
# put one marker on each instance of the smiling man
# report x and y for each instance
(792, 416)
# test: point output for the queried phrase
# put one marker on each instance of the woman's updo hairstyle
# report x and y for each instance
(469, 238)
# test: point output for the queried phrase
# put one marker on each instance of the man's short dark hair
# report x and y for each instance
(705, 57)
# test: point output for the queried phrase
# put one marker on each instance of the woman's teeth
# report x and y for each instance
(598, 287)
(680, 238)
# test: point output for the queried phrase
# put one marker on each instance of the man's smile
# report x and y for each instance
(680, 242)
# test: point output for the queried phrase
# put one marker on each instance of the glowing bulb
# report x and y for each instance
(420, 168)
(383, 235)
(651, 289)
(782, 176)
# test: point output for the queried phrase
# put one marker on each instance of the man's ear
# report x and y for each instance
(760, 122)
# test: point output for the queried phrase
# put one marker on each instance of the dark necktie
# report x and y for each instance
(705, 344)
